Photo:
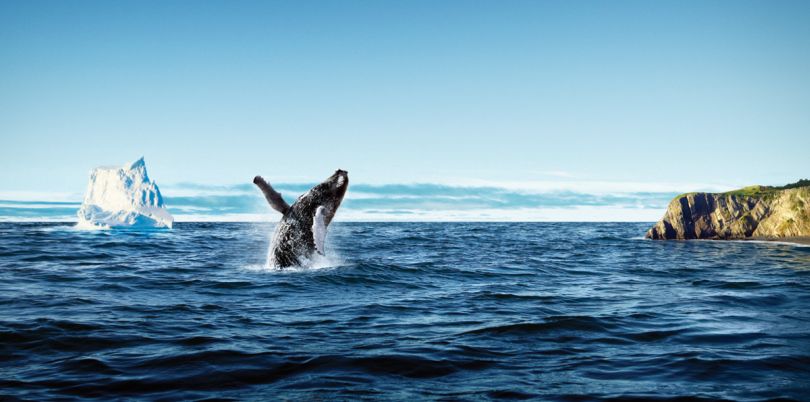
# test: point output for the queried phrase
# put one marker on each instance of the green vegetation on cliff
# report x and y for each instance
(761, 191)
(757, 190)
(753, 211)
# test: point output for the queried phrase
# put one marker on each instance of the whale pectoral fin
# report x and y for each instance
(272, 196)
(319, 230)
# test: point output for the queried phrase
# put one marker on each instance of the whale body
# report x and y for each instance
(301, 232)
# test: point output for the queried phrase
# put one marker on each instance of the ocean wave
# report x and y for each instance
(411, 311)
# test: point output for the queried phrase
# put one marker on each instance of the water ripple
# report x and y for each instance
(406, 311)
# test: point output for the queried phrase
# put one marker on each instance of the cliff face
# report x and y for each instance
(757, 211)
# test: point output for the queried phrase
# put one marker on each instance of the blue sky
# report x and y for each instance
(406, 92)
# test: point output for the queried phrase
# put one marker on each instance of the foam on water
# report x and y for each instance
(775, 242)
(736, 241)
(754, 241)
(319, 262)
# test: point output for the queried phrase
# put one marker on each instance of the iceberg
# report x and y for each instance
(124, 196)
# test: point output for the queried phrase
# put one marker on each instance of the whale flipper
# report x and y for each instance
(319, 230)
(272, 196)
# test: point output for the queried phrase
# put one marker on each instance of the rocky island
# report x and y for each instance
(754, 212)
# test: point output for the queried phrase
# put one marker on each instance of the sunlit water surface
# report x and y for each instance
(401, 311)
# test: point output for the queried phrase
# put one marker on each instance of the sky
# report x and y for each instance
(533, 96)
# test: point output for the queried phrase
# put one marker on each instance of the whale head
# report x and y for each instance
(328, 195)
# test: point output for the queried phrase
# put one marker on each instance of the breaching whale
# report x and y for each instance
(301, 232)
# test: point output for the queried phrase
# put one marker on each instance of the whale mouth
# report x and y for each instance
(341, 183)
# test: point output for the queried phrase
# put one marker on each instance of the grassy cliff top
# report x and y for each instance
(760, 191)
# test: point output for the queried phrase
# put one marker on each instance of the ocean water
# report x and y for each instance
(401, 311)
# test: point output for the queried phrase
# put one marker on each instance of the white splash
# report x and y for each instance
(123, 197)
(317, 263)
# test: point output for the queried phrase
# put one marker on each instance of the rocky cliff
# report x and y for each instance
(756, 211)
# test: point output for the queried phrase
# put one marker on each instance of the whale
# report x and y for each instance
(300, 234)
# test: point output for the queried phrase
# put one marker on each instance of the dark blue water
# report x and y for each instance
(470, 311)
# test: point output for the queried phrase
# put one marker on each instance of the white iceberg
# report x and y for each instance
(123, 197)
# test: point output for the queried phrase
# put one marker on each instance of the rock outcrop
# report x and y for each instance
(751, 212)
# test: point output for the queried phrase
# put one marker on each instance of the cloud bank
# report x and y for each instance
(473, 201)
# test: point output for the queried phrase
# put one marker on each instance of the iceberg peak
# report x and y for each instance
(123, 197)
(138, 164)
